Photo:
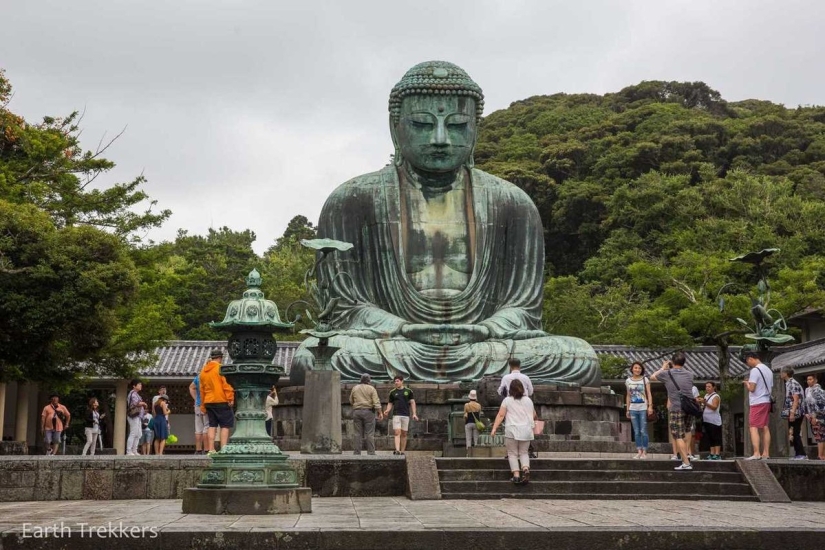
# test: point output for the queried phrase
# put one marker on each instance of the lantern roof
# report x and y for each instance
(252, 310)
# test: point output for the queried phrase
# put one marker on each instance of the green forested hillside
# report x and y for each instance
(646, 193)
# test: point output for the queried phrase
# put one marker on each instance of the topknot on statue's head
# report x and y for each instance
(435, 78)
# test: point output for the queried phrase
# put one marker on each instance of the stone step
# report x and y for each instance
(538, 474)
(492, 489)
(600, 496)
(500, 463)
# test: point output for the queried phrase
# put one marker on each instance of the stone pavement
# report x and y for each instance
(361, 523)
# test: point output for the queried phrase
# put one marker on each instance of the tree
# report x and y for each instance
(211, 271)
(298, 228)
(284, 266)
(67, 284)
(60, 290)
(44, 165)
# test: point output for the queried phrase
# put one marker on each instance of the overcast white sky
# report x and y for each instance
(245, 113)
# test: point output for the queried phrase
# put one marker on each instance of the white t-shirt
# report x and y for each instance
(518, 424)
(764, 384)
(636, 389)
(270, 402)
(712, 416)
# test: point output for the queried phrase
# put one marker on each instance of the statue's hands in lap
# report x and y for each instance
(445, 335)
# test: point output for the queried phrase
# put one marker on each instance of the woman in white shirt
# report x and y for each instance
(638, 404)
(518, 412)
(712, 420)
(271, 401)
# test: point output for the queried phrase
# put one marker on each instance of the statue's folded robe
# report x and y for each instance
(504, 293)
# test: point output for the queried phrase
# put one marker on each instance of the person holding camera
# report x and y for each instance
(677, 381)
(759, 386)
(271, 402)
(54, 419)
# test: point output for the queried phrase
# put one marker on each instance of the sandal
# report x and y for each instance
(525, 475)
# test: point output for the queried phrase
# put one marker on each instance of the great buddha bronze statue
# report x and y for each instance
(446, 276)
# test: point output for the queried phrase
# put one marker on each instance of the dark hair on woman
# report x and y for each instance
(135, 382)
(92, 401)
(640, 366)
(516, 389)
(712, 383)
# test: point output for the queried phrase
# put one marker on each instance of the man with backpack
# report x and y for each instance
(679, 384)
(54, 419)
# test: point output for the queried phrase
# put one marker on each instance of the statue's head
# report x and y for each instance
(434, 114)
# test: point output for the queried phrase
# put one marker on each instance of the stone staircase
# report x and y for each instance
(486, 478)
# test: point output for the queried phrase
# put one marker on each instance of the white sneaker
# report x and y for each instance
(683, 467)
(754, 457)
(674, 457)
(637, 456)
(800, 457)
(691, 457)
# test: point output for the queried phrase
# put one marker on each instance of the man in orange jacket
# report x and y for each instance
(217, 398)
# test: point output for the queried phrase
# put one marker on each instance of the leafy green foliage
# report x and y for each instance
(69, 303)
(44, 165)
(645, 194)
(60, 292)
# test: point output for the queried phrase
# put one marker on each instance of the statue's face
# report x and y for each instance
(437, 133)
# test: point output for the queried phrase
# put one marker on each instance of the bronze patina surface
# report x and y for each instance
(446, 273)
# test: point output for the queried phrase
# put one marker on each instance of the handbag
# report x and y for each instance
(538, 427)
(480, 425)
(133, 410)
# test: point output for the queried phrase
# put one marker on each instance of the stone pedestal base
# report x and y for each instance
(321, 429)
(247, 501)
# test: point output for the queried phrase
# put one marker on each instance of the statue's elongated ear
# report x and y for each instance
(398, 160)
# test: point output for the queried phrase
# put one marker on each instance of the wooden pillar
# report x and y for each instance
(780, 445)
(2, 408)
(21, 419)
(119, 421)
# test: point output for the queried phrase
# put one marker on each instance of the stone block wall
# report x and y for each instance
(125, 478)
(13, 448)
(97, 478)
(571, 413)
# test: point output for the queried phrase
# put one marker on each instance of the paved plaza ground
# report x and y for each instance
(390, 522)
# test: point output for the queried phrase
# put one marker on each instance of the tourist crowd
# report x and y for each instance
(213, 400)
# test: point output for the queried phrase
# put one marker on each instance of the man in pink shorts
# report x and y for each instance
(759, 385)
